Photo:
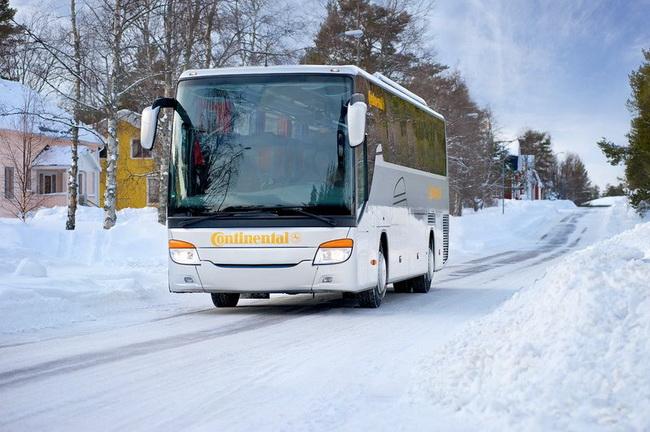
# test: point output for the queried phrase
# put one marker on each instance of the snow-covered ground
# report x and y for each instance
(540, 321)
(568, 352)
(607, 201)
(54, 281)
(519, 223)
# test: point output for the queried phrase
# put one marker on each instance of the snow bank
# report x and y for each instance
(30, 267)
(607, 201)
(570, 352)
(522, 221)
(50, 277)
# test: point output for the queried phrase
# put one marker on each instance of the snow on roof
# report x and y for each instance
(131, 117)
(62, 156)
(125, 115)
(20, 104)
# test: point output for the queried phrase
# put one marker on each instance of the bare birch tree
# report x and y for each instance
(73, 187)
(19, 150)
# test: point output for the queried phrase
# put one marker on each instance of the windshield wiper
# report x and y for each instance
(233, 210)
(197, 219)
(276, 209)
(213, 216)
(302, 211)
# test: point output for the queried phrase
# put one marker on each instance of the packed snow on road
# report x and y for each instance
(540, 321)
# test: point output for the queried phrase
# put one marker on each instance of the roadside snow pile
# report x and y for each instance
(607, 201)
(50, 277)
(522, 221)
(571, 352)
(30, 267)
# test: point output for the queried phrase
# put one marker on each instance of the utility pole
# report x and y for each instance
(503, 187)
(504, 161)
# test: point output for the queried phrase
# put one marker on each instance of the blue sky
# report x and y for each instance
(556, 66)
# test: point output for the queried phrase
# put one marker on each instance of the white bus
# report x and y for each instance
(302, 179)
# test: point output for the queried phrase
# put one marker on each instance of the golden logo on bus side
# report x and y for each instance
(435, 193)
(375, 100)
(241, 238)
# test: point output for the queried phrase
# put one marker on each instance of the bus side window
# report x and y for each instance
(361, 173)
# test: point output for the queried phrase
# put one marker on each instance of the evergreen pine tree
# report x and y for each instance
(7, 28)
(391, 42)
(636, 156)
(8, 33)
(614, 190)
(574, 181)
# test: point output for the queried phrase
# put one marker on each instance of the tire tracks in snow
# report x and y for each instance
(552, 243)
(74, 363)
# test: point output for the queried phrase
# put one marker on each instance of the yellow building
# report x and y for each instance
(137, 183)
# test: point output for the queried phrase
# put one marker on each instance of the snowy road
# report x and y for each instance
(291, 363)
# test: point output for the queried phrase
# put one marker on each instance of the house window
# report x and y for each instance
(138, 152)
(153, 191)
(46, 184)
(9, 182)
(81, 184)
(91, 185)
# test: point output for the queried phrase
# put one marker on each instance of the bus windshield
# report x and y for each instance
(261, 142)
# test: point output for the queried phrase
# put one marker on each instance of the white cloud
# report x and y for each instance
(557, 66)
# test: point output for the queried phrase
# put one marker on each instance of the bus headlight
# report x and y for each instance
(334, 252)
(182, 252)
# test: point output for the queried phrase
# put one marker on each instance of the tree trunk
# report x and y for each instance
(164, 145)
(163, 142)
(110, 196)
(73, 187)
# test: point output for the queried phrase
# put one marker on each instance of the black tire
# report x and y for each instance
(422, 284)
(372, 298)
(402, 286)
(225, 299)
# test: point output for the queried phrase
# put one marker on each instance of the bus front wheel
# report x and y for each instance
(225, 299)
(372, 297)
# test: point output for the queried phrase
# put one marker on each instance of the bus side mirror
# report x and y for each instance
(148, 126)
(357, 109)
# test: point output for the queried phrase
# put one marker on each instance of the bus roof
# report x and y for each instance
(313, 69)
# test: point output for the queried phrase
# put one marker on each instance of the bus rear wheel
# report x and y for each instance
(225, 299)
(372, 297)
(422, 284)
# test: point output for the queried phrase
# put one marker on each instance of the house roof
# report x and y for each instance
(131, 117)
(23, 109)
(125, 115)
(61, 156)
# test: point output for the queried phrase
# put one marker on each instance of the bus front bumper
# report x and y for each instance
(303, 277)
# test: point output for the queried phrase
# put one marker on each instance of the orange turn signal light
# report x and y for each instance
(180, 244)
(340, 243)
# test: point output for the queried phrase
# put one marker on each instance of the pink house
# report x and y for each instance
(36, 154)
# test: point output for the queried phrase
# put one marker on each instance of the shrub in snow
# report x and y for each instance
(31, 268)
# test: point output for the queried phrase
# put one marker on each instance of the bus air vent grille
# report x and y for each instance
(445, 238)
(431, 218)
